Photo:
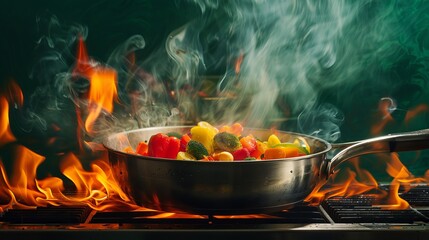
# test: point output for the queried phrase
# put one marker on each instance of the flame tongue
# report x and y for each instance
(102, 91)
(13, 95)
(6, 135)
(96, 187)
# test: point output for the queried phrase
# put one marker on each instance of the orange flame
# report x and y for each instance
(6, 135)
(238, 63)
(412, 113)
(347, 186)
(102, 91)
(14, 95)
(96, 187)
(101, 94)
(383, 114)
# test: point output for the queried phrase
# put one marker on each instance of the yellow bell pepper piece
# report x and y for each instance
(185, 156)
(300, 141)
(273, 140)
(204, 135)
(224, 156)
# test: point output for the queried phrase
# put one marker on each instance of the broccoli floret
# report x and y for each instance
(196, 149)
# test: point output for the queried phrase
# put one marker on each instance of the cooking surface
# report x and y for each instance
(354, 215)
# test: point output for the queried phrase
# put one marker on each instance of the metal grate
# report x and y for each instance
(360, 209)
(47, 215)
(299, 214)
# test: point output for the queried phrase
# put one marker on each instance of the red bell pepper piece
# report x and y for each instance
(184, 142)
(250, 143)
(241, 154)
(163, 146)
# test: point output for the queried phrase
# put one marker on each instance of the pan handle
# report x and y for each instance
(409, 141)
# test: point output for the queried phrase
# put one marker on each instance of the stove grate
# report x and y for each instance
(47, 215)
(364, 209)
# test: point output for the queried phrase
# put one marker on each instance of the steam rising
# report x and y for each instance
(288, 47)
(302, 62)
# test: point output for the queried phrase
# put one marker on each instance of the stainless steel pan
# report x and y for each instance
(241, 187)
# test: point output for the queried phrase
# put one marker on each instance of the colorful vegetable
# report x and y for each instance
(225, 141)
(282, 152)
(142, 148)
(163, 146)
(185, 156)
(196, 149)
(184, 142)
(235, 129)
(205, 142)
(204, 134)
(273, 140)
(241, 154)
(223, 156)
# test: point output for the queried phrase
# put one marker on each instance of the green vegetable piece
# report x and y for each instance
(174, 134)
(196, 149)
(225, 141)
(300, 149)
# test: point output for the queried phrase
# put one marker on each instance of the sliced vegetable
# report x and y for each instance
(142, 148)
(303, 143)
(207, 143)
(292, 145)
(273, 140)
(184, 142)
(223, 156)
(241, 154)
(281, 152)
(261, 147)
(225, 141)
(196, 149)
(235, 129)
(174, 134)
(161, 145)
(204, 135)
(251, 143)
(185, 156)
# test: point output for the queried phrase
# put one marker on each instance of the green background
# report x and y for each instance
(112, 22)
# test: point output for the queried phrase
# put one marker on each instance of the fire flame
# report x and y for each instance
(103, 81)
(401, 176)
(6, 135)
(97, 186)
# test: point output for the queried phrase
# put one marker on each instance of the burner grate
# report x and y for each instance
(299, 214)
(417, 196)
(47, 215)
(361, 209)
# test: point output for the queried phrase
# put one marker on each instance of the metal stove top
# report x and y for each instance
(336, 218)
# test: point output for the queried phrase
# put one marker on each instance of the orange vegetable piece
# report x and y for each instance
(281, 152)
(128, 149)
(235, 129)
(142, 148)
(250, 143)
